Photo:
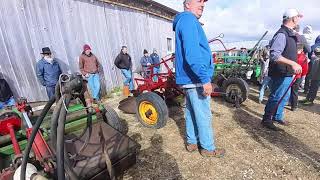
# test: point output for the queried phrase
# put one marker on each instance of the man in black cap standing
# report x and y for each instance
(48, 71)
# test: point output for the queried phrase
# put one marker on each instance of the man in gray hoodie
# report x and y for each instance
(307, 33)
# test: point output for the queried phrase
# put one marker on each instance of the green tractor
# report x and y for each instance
(245, 66)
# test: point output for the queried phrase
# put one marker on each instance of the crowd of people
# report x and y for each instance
(307, 59)
(124, 62)
(288, 64)
(292, 63)
(48, 71)
(288, 61)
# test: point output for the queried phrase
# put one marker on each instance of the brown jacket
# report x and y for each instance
(88, 64)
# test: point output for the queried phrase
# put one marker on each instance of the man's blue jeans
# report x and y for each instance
(278, 87)
(156, 70)
(199, 119)
(265, 83)
(94, 85)
(50, 91)
(128, 81)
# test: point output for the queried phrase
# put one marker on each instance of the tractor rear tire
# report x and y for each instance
(236, 84)
(112, 119)
(151, 110)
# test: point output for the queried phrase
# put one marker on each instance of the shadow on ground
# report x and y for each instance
(315, 108)
(154, 163)
(288, 143)
(177, 114)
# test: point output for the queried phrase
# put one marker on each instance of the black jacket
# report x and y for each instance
(289, 52)
(315, 71)
(123, 61)
(5, 91)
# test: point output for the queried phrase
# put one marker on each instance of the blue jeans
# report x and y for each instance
(265, 83)
(9, 102)
(278, 87)
(94, 85)
(50, 91)
(128, 81)
(199, 119)
(156, 70)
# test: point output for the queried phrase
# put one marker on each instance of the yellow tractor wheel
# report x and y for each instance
(151, 110)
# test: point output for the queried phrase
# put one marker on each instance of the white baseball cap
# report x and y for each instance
(290, 13)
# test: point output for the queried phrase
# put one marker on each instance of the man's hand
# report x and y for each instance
(297, 69)
(87, 75)
(207, 89)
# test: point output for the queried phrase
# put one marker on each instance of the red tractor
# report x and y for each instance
(149, 100)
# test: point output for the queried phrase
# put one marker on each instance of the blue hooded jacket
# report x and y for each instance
(193, 58)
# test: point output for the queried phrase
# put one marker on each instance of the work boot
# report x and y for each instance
(192, 147)
(218, 153)
(269, 125)
(282, 122)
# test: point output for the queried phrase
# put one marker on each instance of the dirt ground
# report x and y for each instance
(252, 152)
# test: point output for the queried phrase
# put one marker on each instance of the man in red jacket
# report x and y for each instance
(303, 62)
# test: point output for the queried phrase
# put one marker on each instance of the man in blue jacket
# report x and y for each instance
(194, 70)
(145, 62)
(155, 60)
(48, 71)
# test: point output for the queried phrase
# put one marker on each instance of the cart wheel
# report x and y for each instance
(112, 119)
(152, 110)
(236, 89)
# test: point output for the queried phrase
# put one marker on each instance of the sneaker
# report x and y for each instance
(192, 147)
(218, 153)
(269, 125)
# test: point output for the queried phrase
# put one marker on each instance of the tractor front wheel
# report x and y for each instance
(112, 119)
(152, 110)
(236, 89)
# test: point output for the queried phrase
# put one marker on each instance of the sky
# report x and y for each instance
(242, 20)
